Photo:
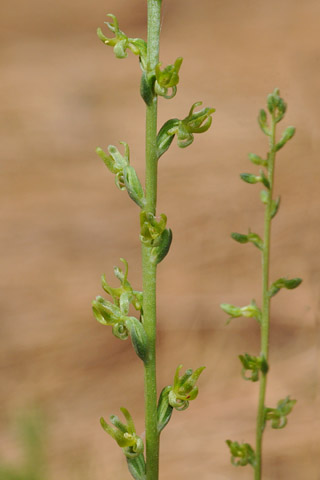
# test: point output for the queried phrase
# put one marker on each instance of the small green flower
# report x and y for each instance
(194, 122)
(184, 388)
(167, 78)
(278, 415)
(125, 434)
(241, 454)
(121, 42)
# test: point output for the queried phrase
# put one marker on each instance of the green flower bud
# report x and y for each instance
(286, 136)
(250, 178)
(289, 284)
(256, 160)
(263, 122)
(251, 237)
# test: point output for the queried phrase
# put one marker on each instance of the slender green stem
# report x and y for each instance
(149, 269)
(265, 320)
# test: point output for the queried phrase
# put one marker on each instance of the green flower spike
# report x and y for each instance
(125, 435)
(167, 78)
(184, 388)
(121, 42)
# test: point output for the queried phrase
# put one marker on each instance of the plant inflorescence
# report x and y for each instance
(255, 367)
(155, 238)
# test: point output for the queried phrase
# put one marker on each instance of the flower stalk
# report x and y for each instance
(258, 366)
(155, 240)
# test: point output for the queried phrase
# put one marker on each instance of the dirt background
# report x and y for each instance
(63, 223)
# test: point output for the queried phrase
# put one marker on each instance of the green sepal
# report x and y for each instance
(241, 454)
(254, 365)
(278, 415)
(263, 122)
(164, 410)
(164, 139)
(161, 246)
(138, 337)
(250, 311)
(146, 88)
(133, 186)
(275, 207)
(289, 284)
(256, 160)
(250, 238)
(137, 467)
(286, 136)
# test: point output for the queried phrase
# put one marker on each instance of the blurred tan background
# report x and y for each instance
(64, 223)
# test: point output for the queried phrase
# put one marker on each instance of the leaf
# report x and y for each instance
(161, 246)
(138, 337)
(146, 88)
(133, 186)
(275, 207)
(164, 410)
(164, 139)
(137, 467)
